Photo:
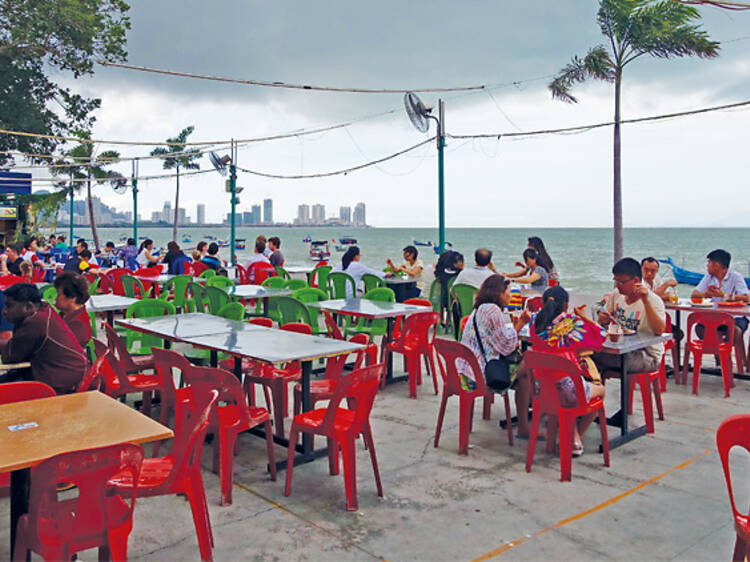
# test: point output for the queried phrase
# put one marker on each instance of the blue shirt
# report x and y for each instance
(733, 283)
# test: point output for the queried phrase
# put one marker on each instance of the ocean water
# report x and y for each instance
(583, 256)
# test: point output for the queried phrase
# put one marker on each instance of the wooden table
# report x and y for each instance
(67, 423)
(108, 304)
(365, 308)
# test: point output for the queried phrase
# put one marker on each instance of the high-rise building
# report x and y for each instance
(245, 217)
(181, 216)
(256, 214)
(345, 214)
(200, 213)
(268, 211)
(166, 214)
(303, 214)
(360, 218)
(318, 213)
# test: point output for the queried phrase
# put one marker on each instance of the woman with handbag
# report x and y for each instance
(496, 345)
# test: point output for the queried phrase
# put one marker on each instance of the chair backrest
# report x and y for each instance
(381, 294)
(147, 308)
(220, 281)
(94, 285)
(310, 294)
(10, 280)
(295, 284)
(115, 275)
(273, 283)
(151, 271)
(281, 272)
(341, 285)
(169, 364)
(92, 380)
(297, 327)
(206, 273)
(197, 293)
(244, 275)
(435, 295)
(205, 379)
(49, 295)
(546, 370)
(106, 285)
(320, 275)
(711, 321)
(421, 326)
(216, 298)
(533, 304)
(180, 284)
(261, 321)
(371, 281)
(37, 275)
(463, 294)
(333, 330)
(260, 271)
(21, 391)
(291, 310)
(418, 302)
(86, 514)
(733, 431)
(361, 386)
(198, 267)
(232, 311)
(449, 353)
(133, 287)
(184, 267)
(118, 347)
(667, 323)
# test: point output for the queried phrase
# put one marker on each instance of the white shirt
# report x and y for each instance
(357, 270)
(257, 258)
(474, 276)
(141, 258)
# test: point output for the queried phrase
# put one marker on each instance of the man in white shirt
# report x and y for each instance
(260, 247)
(482, 269)
(651, 278)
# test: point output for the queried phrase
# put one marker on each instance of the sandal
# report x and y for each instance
(577, 449)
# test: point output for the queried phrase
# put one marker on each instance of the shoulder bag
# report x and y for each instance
(496, 371)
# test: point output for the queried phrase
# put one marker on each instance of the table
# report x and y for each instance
(67, 423)
(257, 292)
(622, 347)
(307, 270)
(258, 343)
(108, 304)
(365, 308)
(399, 285)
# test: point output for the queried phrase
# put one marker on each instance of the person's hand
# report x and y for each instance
(3, 257)
(714, 291)
(389, 262)
(640, 291)
(671, 282)
(603, 318)
(580, 310)
(519, 264)
(491, 267)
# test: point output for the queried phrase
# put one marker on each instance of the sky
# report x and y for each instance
(671, 169)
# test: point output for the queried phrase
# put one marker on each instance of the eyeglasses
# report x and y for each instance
(621, 282)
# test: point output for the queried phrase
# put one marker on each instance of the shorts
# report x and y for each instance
(639, 361)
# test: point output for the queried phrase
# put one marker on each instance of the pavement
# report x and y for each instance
(662, 498)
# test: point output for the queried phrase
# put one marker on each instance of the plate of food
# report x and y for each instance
(701, 304)
(730, 303)
(628, 332)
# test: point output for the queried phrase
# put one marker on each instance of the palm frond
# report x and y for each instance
(596, 64)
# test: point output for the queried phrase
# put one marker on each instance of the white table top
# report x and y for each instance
(178, 326)
(256, 292)
(366, 308)
(106, 303)
(687, 304)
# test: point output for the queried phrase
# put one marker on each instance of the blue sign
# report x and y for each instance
(14, 182)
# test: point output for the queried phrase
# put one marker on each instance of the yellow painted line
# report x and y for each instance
(507, 546)
(709, 429)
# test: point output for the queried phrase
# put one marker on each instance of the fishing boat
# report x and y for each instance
(187, 240)
(209, 237)
(345, 243)
(239, 244)
(420, 243)
(319, 250)
(686, 276)
(307, 239)
(223, 243)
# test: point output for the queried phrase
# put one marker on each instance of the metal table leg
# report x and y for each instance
(626, 434)
(389, 378)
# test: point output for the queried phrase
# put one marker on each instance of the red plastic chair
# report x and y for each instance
(647, 382)
(670, 345)
(414, 342)
(105, 284)
(185, 268)
(735, 431)
(10, 280)
(99, 516)
(261, 321)
(198, 268)
(397, 324)
(37, 275)
(260, 271)
(168, 365)
(179, 472)
(228, 420)
(450, 352)
(92, 380)
(534, 304)
(342, 426)
(546, 369)
(151, 288)
(117, 383)
(115, 275)
(711, 322)
(244, 275)
(131, 363)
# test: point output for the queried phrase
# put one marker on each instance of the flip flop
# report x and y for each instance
(539, 437)
(577, 451)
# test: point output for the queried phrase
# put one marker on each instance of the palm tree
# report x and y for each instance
(662, 29)
(175, 156)
(80, 163)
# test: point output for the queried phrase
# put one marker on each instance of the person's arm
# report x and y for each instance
(654, 315)
(503, 339)
(704, 289)
(22, 345)
(515, 274)
(412, 271)
(4, 264)
(371, 271)
(740, 289)
(529, 279)
(661, 290)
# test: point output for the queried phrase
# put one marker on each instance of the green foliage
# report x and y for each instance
(40, 40)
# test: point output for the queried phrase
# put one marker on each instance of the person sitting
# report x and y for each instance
(634, 307)
(72, 295)
(575, 336)
(413, 267)
(483, 268)
(41, 337)
(11, 260)
(107, 256)
(80, 262)
(211, 259)
(266, 249)
(533, 274)
(30, 249)
(449, 265)
(651, 278)
(145, 258)
(173, 257)
(61, 245)
(535, 243)
(276, 258)
(27, 271)
(498, 340)
(723, 284)
(200, 251)
(258, 257)
(350, 264)
(52, 242)
(129, 253)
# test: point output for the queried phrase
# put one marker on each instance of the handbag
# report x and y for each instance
(496, 371)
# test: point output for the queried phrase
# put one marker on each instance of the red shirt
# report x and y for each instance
(45, 340)
(80, 324)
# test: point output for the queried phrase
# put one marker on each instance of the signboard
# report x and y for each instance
(14, 182)
(8, 212)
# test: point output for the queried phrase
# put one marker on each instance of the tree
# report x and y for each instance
(175, 156)
(42, 40)
(662, 29)
(81, 162)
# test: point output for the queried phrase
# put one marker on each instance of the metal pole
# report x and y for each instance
(233, 190)
(135, 201)
(441, 172)
(70, 242)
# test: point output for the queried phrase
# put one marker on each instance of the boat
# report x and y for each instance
(419, 243)
(686, 276)
(209, 237)
(348, 241)
(239, 244)
(436, 248)
(223, 243)
(307, 240)
(187, 240)
(319, 250)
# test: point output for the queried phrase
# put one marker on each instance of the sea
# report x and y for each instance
(583, 256)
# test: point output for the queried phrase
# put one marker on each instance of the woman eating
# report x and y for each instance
(533, 273)
(145, 257)
(350, 264)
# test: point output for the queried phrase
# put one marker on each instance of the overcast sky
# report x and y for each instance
(670, 169)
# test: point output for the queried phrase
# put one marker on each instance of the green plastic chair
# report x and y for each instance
(372, 282)
(146, 308)
(230, 311)
(338, 282)
(274, 283)
(216, 298)
(319, 276)
(49, 294)
(379, 326)
(93, 287)
(180, 285)
(133, 287)
(281, 272)
(311, 294)
(208, 274)
(295, 284)
(220, 281)
(291, 310)
(462, 303)
(197, 299)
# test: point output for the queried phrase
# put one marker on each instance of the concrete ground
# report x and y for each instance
(662, 498)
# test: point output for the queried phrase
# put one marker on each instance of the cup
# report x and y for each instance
(674, 298)
(614, 332)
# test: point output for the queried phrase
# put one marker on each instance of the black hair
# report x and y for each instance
(83, 243)
(649, 260)
(146, 242)
(213, 248)
(202, 244)
(554, 300)
(529, 254)
(73, 286)
(28, 243)
(483, 257)
(260, 245)
(722, 257)
(85, 254)
(627, 266)
(131, 241)
(109, 245)
(17, 247)
(544, 260)
(349, 255)
(491, 290)
(411, 250)
(23, 292)
(275, 240)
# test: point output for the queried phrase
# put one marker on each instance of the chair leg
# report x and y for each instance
(290, 460)
(487, 401)
(441, 415)
(269, 449)
(464, 423)
(534, 431)
(349, 457)
(333, 456)
(648, 408)
(605, 438)
(374, 459)
(697, 360)
(740, 550)
(146, 406)
(385, 354)
(430, 364)
(566, 447)
(278, 407)
(412, 368)
(226, 446)
(297, 401)
(197, 497)
(657, 398)
(739, 356)
(685, 364)
(508, 423)
(216, 464)
(726, 371)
